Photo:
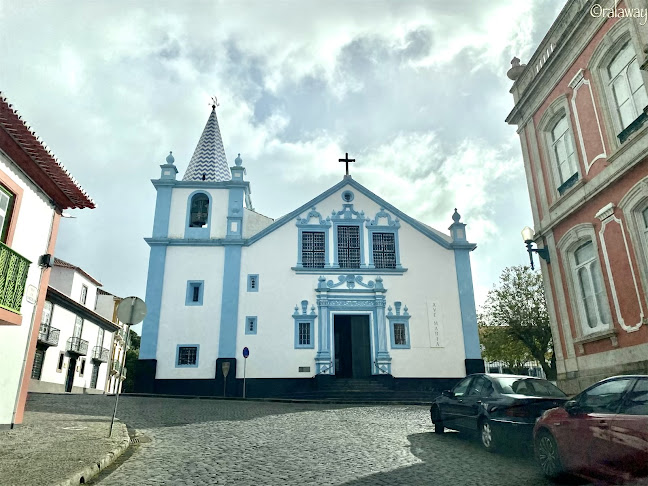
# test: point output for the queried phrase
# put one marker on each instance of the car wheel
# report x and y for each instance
(435, 414)
(546, 452)
(486, 435)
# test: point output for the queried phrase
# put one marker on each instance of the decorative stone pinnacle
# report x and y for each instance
(238, 160)
(456, 216)
(170, 159)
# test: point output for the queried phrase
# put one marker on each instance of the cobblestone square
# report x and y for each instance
(198, 441)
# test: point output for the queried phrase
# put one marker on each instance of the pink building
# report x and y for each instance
(582, 116)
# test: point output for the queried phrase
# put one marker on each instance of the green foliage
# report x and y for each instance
(517, 309)
(499, 346)
(132, 357)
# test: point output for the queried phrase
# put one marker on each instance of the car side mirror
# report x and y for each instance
(448, 393)
(572, 407)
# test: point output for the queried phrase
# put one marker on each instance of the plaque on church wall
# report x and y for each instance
(435, 327)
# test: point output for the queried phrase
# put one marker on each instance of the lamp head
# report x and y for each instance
(527, 234)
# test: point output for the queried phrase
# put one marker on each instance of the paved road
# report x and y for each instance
(263, 443)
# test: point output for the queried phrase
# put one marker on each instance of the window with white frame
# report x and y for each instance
(562, 147)
(589, 282)
(626, 85)
(313, 249)
(6, 206)
(84, 294)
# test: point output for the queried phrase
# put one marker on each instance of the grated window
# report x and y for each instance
(304, 334)
(384, 250)
(187, 355)
(313, 249)
(349, 246)
(400, 339)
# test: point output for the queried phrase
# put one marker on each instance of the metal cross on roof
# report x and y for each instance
(214, 102)
(346, 160)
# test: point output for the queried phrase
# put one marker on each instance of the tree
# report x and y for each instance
(499, 346)
(517, 307)
(132, 356)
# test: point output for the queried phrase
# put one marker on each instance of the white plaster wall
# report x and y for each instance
(178, 213)
(431, 276)
(105, 306)
(182, 324)
(254, 222)
(64, 319)
(30, 239)
(75, 292)
(61, 279)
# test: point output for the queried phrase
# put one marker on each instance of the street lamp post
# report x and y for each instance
(527, 236)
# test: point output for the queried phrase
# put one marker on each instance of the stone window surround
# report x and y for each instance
(632, 205)
(620, 33)
(554, 112)
(250, 320)
(567, 245)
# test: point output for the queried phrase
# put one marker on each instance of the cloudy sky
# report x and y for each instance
(415, 91)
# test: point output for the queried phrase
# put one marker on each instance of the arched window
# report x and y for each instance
(589, 282)
(199, 211)
(626, 85)
(562, 146)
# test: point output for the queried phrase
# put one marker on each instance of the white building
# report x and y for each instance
(34, 189)
(74, 341)
(107, 304)
(346, 285)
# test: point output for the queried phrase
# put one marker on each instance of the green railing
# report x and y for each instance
(115, 367)
(13, 275)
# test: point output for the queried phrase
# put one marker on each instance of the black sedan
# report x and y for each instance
(498, 407)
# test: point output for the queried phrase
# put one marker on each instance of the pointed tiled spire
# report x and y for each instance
(208, 162)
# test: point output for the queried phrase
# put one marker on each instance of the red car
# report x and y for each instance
(601, 434)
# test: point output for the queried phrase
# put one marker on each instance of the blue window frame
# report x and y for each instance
(304, 326)
(384, 251)
(251, 325)
(187, 355)
(199, 211)
(399, 327)
(348, 235)
(195, 291)
(253, 283)
(313, 241)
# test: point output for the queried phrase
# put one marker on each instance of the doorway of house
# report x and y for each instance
(352, 346)
(69, 380)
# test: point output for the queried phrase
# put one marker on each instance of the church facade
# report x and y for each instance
(344, 286)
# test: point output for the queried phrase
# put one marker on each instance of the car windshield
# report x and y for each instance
(532, 387)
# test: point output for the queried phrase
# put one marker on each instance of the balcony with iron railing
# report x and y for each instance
(100, 354)
(48, 335)
(77, 345)
(123, 374)
(114, 369)
(13, 276)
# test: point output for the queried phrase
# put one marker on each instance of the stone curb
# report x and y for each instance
(286, 400)
(90, 472)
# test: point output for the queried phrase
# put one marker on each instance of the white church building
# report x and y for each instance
(345, 287)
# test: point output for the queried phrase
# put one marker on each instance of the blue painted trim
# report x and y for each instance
(198, 233)
(235, 213)
(190, 286)
(230, 302)
(177, 357)
(154, 284)
(435, 235)
(467, 304)
(162, 211)
(399, 318)
(322, 226)
(202, 185)
(348, 217)
(304, 316)
(254, 276)
(247, 324)
(392, 226)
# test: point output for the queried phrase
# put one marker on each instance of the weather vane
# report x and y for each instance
(214, 102)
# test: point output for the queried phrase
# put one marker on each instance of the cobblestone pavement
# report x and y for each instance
(197, 441)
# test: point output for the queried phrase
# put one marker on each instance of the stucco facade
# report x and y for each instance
(240, 279)
(35, 189)
(580, 108)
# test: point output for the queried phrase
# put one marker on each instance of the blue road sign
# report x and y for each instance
(246, 352)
